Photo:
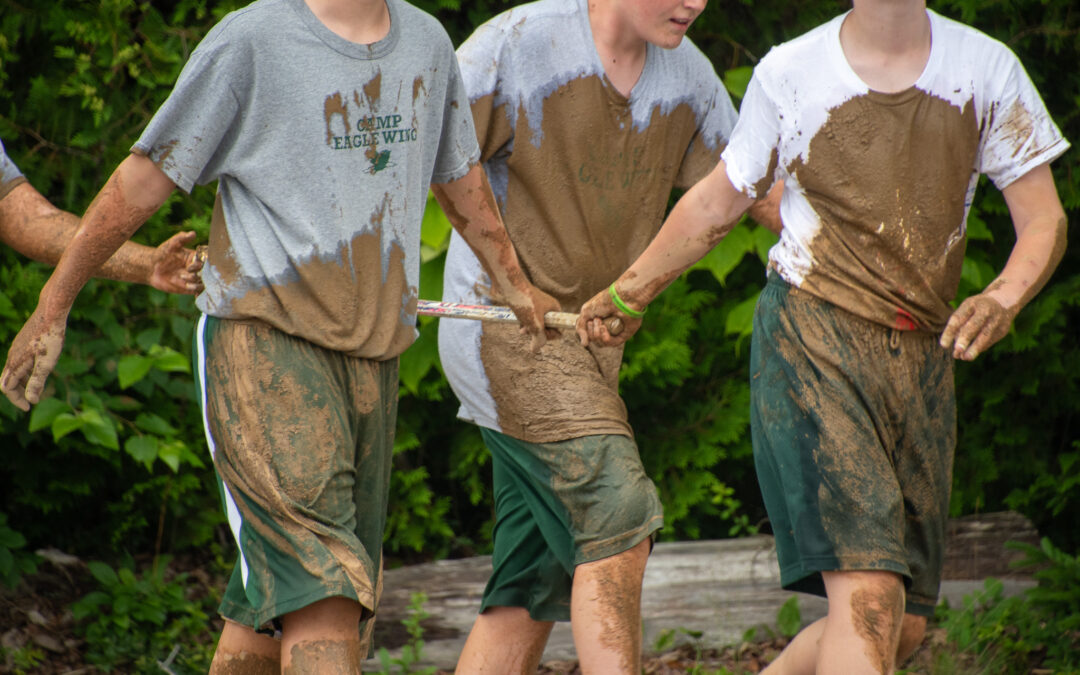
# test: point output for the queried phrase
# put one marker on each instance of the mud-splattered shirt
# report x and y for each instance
(877, 186)
(582, 176)
(323, 150)
(10, 176)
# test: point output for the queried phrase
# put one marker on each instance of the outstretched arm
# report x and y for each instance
(707, 212)
(134, 191)
(31, 225)
(470, 206)
(983, 319)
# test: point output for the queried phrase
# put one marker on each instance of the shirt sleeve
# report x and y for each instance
(1018, 132)
(751, 154)
(458, 149)
(187, 131)
(10, 176)
(484, 64)
(712, 136)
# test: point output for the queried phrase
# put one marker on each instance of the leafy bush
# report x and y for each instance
(132, 622)
(1015, 634)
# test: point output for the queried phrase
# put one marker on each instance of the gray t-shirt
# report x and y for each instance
(323, 150)
(10, 176)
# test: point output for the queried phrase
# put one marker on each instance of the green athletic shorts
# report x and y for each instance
(558, 505)
(301, 439)
(854, 427)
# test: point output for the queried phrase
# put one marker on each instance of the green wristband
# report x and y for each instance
(622, 306)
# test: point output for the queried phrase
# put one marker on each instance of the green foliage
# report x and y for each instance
(14, 561)
(412, 652)
(789, 618)
(1015, 634)
(132, 622)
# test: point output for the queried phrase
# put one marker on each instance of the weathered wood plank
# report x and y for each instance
(718, 588)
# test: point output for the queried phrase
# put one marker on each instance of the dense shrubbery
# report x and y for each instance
(114, 459)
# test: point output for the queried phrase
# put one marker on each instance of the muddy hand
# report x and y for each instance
(32, 357)
(529, 308)
(176, 268)
(977, 323)
(599, 317)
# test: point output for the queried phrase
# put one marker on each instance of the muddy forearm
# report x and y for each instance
(704, 215)
(119, 209)
(1038, 250)
(470, 206)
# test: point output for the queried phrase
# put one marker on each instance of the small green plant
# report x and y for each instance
(789, 618)
(14, 562)
(22, 660)
(1040, 629)
(412, 653)
(133, 621)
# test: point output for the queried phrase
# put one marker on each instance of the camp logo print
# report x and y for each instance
(368, 133)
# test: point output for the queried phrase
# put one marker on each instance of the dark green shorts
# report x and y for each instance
(302, 439)
(558, 505)
(854, 427)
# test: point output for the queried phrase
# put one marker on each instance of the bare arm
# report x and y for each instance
(134, 191)
(983, 319)
(31, 225)
(470, 206)
(698, 222)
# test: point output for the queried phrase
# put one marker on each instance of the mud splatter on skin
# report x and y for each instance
(887, 175)
(334, 105)
(619, 590)
(327, 657)
(877, 613)
(244, 664)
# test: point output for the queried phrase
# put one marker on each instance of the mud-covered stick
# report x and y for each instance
(454, 310)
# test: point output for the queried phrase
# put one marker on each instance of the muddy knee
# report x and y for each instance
(877, 608)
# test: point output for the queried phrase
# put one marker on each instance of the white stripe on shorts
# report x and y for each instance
(231, 511)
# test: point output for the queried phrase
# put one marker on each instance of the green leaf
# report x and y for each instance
(99, 430)
(170, 360)
(143, 449)
(171, 453)
(789, 619)
(435, 227)
(131, 369)
(154, 424)
(740, 320)
(737, 79)
(64, 423)
(45, 412)
(103, 573)
(726, 255)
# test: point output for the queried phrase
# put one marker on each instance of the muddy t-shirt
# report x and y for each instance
(877, 186)
(323, 150)
(582, 176)
(10, 176)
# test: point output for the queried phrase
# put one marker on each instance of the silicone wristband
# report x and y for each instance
(622, 306)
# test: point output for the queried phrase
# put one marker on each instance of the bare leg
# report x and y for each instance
(322, 638)
(860, 634)
(242, 651)
(504, 640)
(605, 612)
(912, 632)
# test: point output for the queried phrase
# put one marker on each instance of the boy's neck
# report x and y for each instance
(359, 21)
(622, 51)
(887, 42)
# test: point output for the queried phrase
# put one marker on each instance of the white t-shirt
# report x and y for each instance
(877, 187)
